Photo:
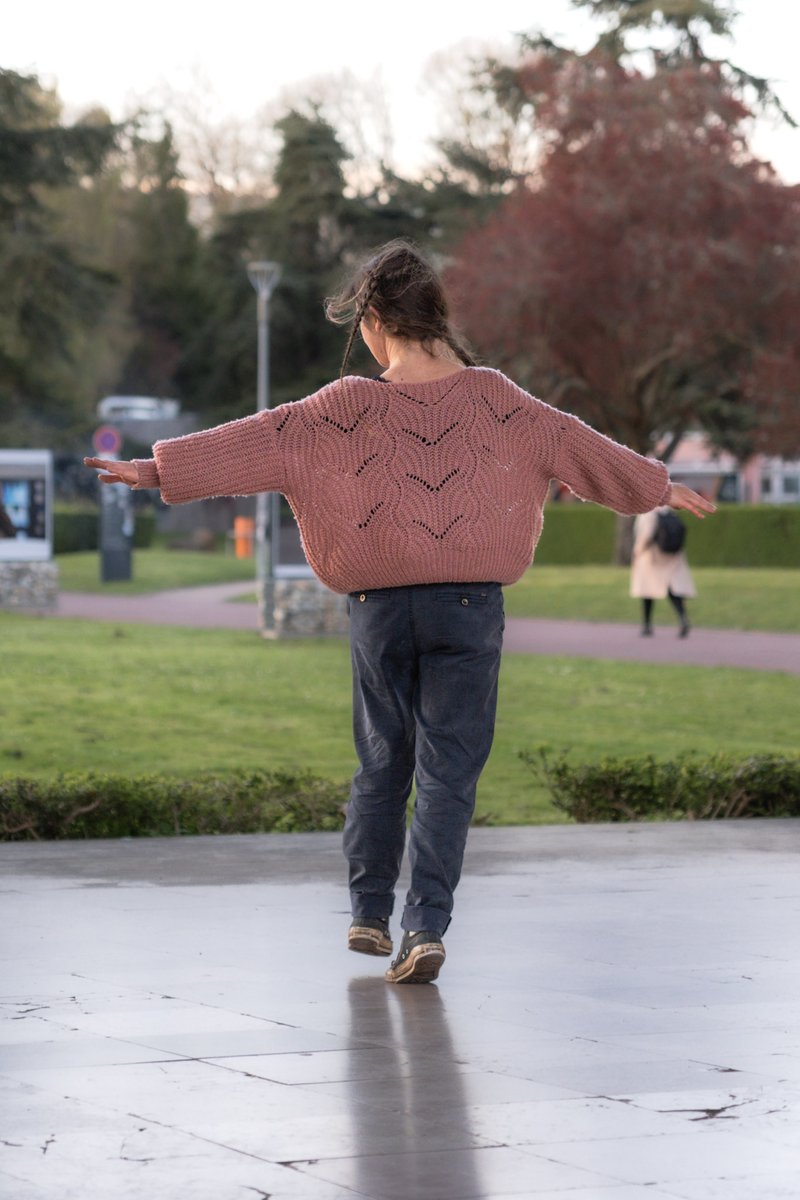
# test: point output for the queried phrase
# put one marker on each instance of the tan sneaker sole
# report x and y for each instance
(422, 965)
(364, 940)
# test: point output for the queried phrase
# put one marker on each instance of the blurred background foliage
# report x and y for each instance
(609, 238)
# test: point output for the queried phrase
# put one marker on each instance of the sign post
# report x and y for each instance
(116, 513)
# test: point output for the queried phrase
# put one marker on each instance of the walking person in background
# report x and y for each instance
(659, 568)
(419, 493)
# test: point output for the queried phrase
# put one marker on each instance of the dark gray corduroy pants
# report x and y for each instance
(425, 667)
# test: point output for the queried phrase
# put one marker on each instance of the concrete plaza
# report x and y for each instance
(618, 1019)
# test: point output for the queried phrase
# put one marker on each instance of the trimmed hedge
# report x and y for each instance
(746, 535)
(79, 529)
(110, 806)
(688, 788)
(738, 535)
(576, 534)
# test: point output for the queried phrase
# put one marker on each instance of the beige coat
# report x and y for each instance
(654, 573)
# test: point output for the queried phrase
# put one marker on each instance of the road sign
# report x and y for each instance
(107, 441)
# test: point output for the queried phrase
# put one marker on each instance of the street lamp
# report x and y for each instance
(264, 277)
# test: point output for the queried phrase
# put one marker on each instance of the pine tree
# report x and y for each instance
(48, 295)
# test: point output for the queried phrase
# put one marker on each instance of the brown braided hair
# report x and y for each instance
(407, 295)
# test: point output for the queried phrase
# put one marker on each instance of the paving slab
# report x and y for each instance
(618, 1019)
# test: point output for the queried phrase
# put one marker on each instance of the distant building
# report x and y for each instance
(721, 476)
(778, 480)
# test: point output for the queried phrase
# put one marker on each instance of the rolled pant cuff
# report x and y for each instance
(432, 920)
(372, 906)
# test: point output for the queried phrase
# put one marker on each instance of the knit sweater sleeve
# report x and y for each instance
(239, 458)
(597, 468)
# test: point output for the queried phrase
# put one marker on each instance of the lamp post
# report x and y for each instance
(264, 277)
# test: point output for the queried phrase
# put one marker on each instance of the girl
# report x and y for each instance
(419, 494)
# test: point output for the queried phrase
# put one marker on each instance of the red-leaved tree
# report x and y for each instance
(648, 276)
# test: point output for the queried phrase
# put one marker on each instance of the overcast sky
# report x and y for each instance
(116, 54)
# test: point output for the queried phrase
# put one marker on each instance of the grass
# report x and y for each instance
(729, 598)
(133, 699)
(154, 570)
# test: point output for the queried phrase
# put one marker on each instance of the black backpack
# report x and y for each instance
(670, 533)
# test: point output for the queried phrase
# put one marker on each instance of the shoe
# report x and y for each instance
(684, 629)
(419, 961)
(369, 935)
(647, 631)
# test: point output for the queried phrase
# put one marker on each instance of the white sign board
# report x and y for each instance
(26, 505)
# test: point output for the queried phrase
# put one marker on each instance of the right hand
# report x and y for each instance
(114, 471)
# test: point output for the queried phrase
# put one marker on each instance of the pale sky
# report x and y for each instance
(113, 55)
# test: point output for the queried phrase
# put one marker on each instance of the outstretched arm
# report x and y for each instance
(238, 458)
(597, 468)
(681, 496)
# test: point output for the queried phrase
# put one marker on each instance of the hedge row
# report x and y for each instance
(688, 788)
(79, 529)
(738, 535)
(111, 806)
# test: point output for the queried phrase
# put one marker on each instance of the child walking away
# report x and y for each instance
(418, 494)
(659, 567)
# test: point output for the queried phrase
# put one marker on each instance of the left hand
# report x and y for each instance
(114, 471)
(681, 496)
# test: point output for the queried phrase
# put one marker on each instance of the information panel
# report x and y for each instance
(26, 505)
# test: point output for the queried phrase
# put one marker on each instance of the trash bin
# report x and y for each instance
(244, 529)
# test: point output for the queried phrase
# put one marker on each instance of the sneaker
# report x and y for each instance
(369, 935)
(684, 629)
(419, 961)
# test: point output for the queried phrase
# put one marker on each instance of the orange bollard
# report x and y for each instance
(243, 534)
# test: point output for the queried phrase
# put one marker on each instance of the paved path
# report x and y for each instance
(704, 647)
(197, 607)
(617, 1019)
(212, 608)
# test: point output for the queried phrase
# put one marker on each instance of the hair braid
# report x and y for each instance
(459, 349)
(366, 291)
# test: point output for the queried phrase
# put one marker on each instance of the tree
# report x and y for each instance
(485, 142)
(681, 27)
(228, 160)
(648, 277)
(48, 295)
(357, 109)
(301, 226)
(313, 226)
(494, 138)
(161, 275)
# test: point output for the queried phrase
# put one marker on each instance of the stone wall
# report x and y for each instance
(306, 608)
(29, 586)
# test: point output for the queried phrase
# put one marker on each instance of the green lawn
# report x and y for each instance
(728, 597)
(132, 699)
(154, 570)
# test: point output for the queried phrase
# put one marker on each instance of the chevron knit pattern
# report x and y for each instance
(395, 484)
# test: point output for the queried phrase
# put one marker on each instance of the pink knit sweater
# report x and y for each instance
(395, 484)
